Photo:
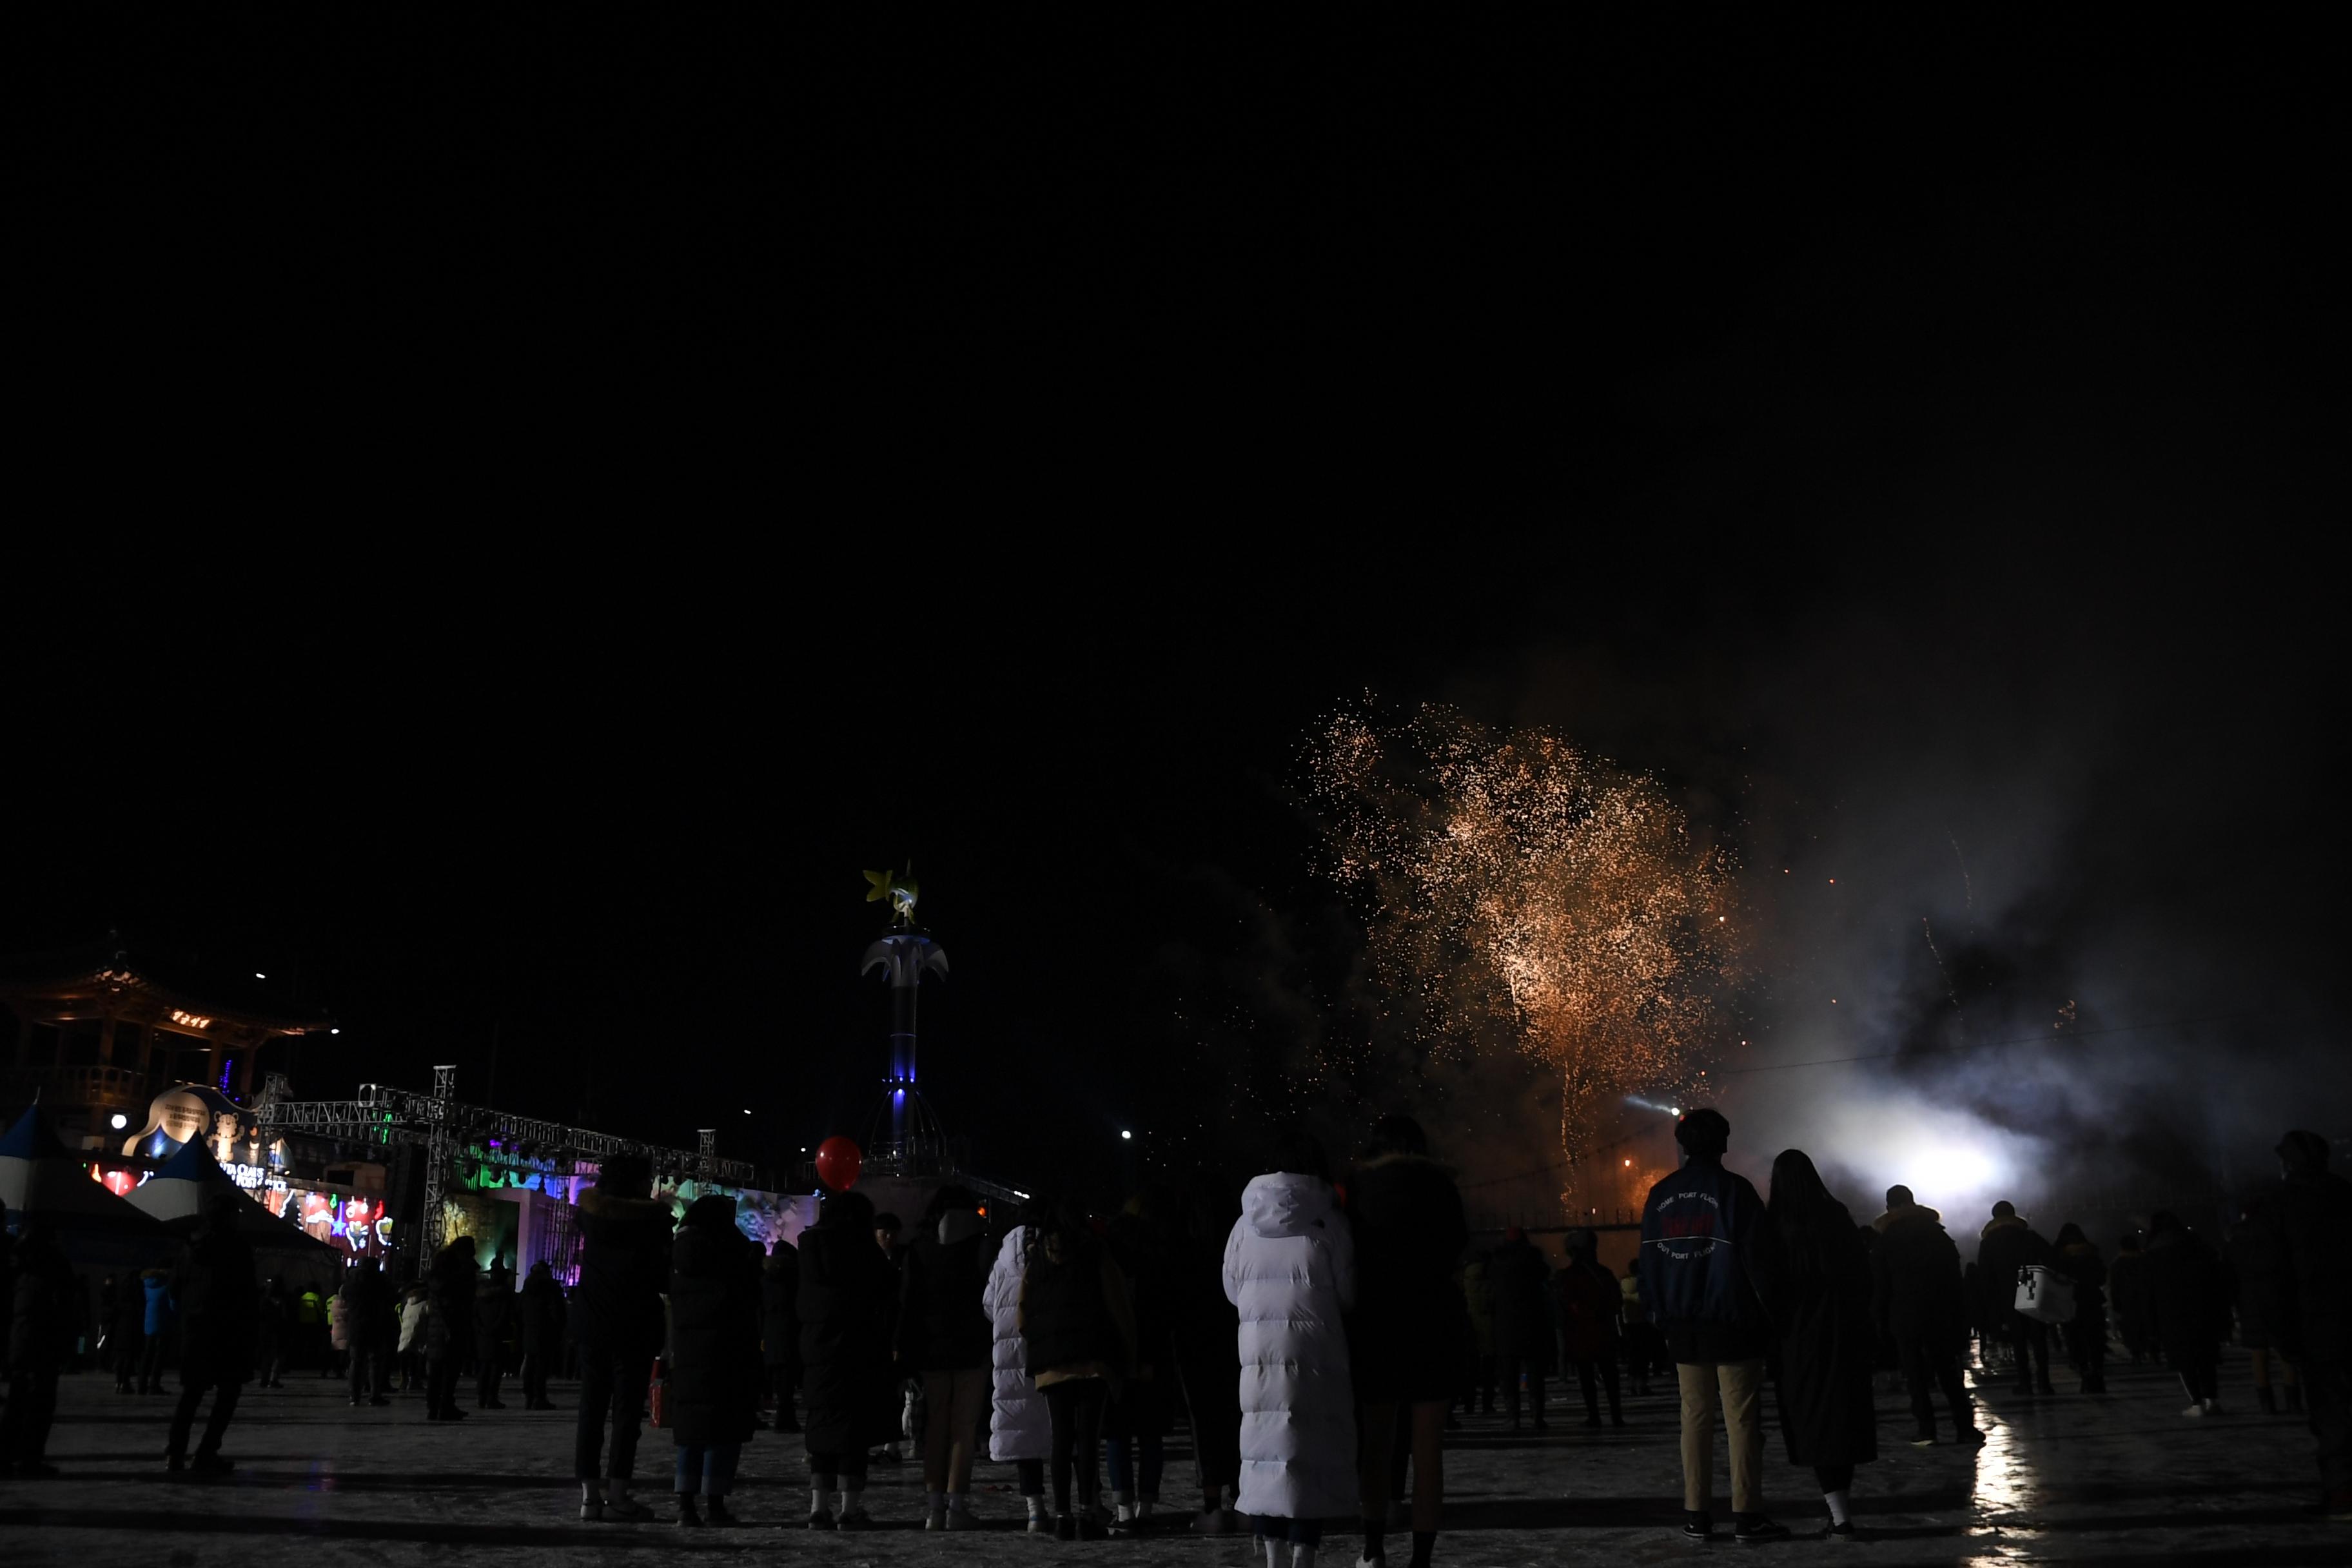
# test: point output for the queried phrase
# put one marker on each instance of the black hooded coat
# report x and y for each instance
(714, 1328)
(219, 1300)
(1916, 1276)
(539, 1312)
(1821, 1305)
(617, 1308)
(847, 1291)
(942, 1326)
(451, 1283)
(2188, 1294)
(779, 1307)
(2309, 1224)
(1408, 1338)
(1523, 1332)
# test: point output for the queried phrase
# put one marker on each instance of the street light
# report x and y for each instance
(121, 1121)
(1124, 1133)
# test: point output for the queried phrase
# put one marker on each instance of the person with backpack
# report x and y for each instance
(1828, 1344)
(1290, 1273)
(1704, 1264)
(1916, 1300)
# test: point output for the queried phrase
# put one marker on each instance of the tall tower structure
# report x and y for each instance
(916, 1139)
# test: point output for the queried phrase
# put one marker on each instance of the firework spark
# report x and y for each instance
(1523, 896)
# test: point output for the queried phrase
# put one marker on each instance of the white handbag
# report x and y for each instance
(2044, 1295)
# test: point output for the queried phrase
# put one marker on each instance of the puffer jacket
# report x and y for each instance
(1018, 1425)
(617, 1308)
(1291, 1272)
(412, 1325)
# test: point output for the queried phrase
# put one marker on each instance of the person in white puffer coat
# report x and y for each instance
(1290, 1271)
(1020, 1429)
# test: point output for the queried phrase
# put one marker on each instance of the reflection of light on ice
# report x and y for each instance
(2003, 1490)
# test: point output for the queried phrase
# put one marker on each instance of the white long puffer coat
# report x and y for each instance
(1291, 1270)
(1018, 1425)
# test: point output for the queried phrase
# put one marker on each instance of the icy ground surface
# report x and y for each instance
(2122, 1478)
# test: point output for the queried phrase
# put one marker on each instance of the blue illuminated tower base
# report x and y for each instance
(915, 1138)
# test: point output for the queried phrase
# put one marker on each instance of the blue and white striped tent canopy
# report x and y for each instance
(40, 1179)
(181, 1187)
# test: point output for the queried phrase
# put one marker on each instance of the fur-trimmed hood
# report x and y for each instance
(1902, 1212)
(2006, 1221)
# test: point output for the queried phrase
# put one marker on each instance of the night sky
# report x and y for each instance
(529, 517)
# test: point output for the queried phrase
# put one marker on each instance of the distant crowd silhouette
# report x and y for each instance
(1317, 1346)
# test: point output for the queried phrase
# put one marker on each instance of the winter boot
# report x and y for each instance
(688, 1519)
(2264, 1397)
(592, 1502)
(2294, 1399)
(716, 1512)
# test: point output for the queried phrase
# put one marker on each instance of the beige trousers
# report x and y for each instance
(1741, 1384)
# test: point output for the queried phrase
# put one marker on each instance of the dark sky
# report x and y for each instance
(531, 516)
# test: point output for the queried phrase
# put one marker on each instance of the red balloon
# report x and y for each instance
(837, 1160)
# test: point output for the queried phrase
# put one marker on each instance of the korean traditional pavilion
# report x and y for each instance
(98, 1031)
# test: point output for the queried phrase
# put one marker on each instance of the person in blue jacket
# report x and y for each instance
(1705, 1275)
(155, 1284)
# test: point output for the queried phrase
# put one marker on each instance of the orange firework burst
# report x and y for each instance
(1521, 895)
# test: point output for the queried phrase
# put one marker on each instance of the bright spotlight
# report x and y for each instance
(1124, 1133)
(121, 1121)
